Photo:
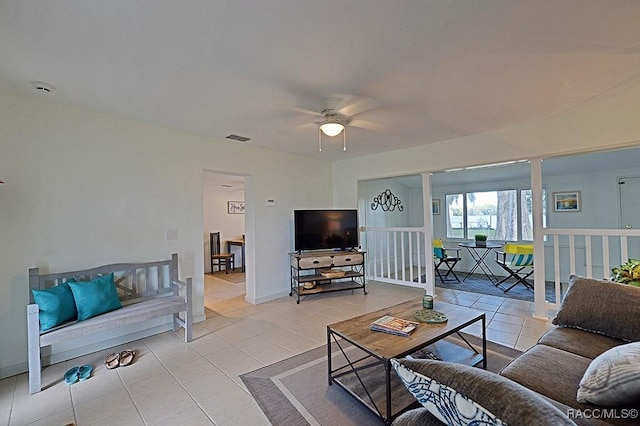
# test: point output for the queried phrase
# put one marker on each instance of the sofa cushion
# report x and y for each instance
(602, 307)
(579, 342)
(549, 371)
(613, 378)
(418, 416)
(495, 395)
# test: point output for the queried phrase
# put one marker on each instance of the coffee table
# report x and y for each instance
(363, 367)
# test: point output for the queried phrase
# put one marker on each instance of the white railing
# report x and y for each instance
(589, 253)
(396, 255)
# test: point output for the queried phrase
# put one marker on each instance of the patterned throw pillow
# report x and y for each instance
(442, 401)
(613, 377)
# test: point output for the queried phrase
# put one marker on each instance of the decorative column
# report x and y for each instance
(540, 304)
(430, 287)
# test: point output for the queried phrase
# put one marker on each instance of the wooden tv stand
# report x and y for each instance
(307, 268)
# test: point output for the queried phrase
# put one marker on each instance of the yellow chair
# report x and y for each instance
(444, 256)
(517, 260)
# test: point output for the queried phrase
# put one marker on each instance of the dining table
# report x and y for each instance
(479, 253)
(240, 243)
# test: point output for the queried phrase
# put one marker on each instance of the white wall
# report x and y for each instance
(85, 189)
(378, 217)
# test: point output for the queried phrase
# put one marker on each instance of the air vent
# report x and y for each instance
(41, 86)
(238, 138)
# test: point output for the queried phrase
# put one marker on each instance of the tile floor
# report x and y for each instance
(174, 383)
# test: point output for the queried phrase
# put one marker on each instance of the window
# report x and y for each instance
(494, 213)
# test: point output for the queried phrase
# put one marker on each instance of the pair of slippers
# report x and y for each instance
(121, 359)
(77, 374)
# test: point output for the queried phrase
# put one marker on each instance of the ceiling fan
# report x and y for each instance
(339, 111)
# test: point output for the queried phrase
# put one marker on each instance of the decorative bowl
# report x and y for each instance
(333, 273)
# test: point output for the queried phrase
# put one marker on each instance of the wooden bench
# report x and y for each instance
(146, 291)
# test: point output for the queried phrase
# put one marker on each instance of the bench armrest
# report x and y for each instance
(188, 297)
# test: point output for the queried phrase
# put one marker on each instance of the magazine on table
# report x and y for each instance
(394, 325)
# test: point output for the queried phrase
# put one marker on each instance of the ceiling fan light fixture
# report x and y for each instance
(331, 127)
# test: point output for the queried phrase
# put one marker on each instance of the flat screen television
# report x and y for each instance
(325, 229)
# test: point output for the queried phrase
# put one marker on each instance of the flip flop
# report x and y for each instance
(126, 357)
(112, 361)
(72, 375)
(84, 372)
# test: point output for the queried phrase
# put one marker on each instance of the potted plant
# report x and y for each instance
(481, 240)
(627, 273)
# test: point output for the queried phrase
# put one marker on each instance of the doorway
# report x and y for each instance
(223, 198)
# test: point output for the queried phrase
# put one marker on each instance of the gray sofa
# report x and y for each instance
(596, 327)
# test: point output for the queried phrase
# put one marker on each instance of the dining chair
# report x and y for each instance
(220, 259)
(517, 260)
(446, 257)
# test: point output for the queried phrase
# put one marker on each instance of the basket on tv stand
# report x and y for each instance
(316, 272)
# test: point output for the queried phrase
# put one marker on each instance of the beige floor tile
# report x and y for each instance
(149, 388)
(95, 410)
(99, 384)
(210, 344)
(251, 415)
(234, 362)
(502, 337)
(263, 350)
(523, 343)
(503, 326)
(191, 417)
(184, 373)
(172, 382)
(7, 389)
(129, 417)
(29, 408)
(5, 414)
(482, 306)
(491, 300)
(509, 319)
(510, 310)
(223, 406)
(201, 389)
(60, 418)
(165, 405)
(143, 366)
(177, 356)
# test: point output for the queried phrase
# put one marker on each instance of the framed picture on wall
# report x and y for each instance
(568, 201)
(435, 206)
(235, 207)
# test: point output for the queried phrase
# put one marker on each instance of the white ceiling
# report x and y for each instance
(438, 69)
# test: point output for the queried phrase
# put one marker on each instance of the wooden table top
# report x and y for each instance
(387, 346)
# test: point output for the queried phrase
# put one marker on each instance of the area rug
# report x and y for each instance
(476, 283)
(233, 276)
(295, 391)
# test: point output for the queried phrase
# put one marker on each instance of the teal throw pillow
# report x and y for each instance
(56, 305)
(95, 297)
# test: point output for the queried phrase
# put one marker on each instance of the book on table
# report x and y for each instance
(394, 325)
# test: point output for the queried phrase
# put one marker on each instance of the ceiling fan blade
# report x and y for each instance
(301, 110)
(360, 105)
(370, 125)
